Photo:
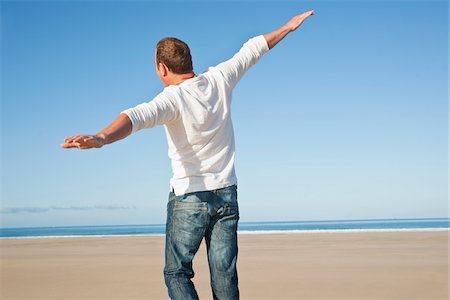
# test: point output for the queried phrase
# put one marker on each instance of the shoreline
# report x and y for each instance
(241, 232)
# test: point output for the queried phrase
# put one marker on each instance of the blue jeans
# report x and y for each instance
(190, 217)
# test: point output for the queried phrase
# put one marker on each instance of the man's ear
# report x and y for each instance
(163, 70)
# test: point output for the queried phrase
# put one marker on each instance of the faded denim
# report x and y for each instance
(213, 215)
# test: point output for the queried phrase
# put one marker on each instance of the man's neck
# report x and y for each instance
(179, 78)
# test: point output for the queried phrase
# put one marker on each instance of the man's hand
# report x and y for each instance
(276, 36)
(119, 129)
(296, 21)
(83, 141)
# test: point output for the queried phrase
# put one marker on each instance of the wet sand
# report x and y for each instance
(357, 265)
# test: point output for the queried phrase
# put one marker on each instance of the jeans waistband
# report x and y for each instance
(173, 190)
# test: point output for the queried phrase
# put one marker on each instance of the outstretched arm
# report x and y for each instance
(119, 129)
(276, 36)
(234, 68)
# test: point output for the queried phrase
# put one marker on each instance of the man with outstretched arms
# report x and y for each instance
(195, 111)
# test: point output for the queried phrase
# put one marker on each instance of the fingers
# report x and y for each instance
(78, 139)
(75, 138)
(72, 138)
(299, 19)
(83, 141)
(70, 145)
(73, 141)
(77, 145)
(306, 14)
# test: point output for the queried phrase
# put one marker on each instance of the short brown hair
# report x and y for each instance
(175, 54)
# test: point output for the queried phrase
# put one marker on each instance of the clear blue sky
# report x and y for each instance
(344, 119)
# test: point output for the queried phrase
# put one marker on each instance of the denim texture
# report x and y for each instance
(212, 215)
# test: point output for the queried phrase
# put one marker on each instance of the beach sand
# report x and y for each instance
(356, 265)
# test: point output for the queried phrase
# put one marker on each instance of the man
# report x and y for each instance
(195, 111)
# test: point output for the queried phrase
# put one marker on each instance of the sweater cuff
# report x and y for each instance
(130, 115)
(262, 43)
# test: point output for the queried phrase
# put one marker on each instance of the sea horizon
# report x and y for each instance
(244, 227)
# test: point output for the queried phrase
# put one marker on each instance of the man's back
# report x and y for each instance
(196, 116)
(201, 140)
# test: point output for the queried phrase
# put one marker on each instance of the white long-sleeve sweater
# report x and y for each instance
(196, 117)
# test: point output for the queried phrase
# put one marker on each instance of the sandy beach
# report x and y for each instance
(361, 265)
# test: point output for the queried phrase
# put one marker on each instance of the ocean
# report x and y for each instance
(425, 224)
